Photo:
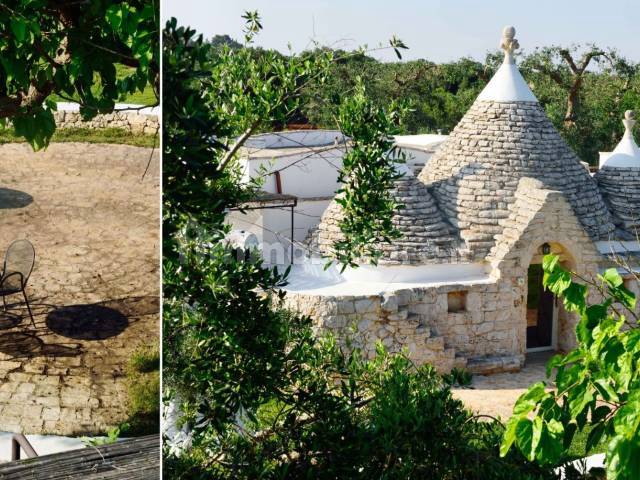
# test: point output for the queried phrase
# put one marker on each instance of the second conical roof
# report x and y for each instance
(425, 236)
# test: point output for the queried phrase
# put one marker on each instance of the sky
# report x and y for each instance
(436, 30)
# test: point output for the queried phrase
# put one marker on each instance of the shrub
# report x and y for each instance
(344, 417)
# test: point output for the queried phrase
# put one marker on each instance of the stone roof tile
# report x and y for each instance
(476, 171)
(426, 236)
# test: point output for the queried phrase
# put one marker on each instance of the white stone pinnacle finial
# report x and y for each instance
(509, 44)
(629, 121)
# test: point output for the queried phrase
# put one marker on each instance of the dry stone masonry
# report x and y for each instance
(621, 190)
(93, 219)
(619, 180)
(425, 235)
(131, 121)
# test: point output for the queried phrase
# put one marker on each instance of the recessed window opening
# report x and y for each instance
(457, 302)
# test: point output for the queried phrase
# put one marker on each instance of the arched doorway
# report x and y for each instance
(541, 312)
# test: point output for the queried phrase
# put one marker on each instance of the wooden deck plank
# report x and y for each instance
(136, 459)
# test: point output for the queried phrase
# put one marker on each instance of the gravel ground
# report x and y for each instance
(94, 222)
(496, 394)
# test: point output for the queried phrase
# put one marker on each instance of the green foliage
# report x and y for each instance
(145, 359)
(224, 341)
(579, 449)
(343, 417)
(143, 385)
(144, 97)
(67, 49)
(438, 93)
(113, 434)
(597, 384)
(368, 172)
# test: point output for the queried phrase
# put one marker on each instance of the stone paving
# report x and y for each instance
(496, 394)
(93, 216)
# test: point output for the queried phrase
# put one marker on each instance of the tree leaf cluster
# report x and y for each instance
(369, 170)
(597, 384)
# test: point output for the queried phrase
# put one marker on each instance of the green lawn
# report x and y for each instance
(578, 448)
(140, 98)
(87, 135)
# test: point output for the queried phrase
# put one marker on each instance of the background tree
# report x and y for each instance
(71, 49)
(584, 91)
(559, 65)
(218, 41)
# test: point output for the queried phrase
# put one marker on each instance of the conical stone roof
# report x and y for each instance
(619, 180)
(505, 136)
(426, 236)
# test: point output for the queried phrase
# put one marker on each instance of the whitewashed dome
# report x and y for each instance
(626, 154)
(504, 137)
(619, 180)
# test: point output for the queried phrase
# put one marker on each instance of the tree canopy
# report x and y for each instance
(68, 48)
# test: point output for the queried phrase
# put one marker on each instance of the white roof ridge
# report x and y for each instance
(508, 85)
(626, 154)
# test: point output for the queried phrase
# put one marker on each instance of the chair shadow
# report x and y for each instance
(10, 198)
(99, 321)
(27, 344)
(96, 321)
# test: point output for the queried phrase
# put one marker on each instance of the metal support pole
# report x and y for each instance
(292, 230)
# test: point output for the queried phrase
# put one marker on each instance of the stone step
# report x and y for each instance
(495, 364)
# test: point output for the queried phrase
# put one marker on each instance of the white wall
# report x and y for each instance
(305, 174)
(416, 159)
(419, 148)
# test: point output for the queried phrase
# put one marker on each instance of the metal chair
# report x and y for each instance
(17, 267)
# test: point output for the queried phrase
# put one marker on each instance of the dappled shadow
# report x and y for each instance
(20, 344)
(9, 320)
(100, 321)
(10, 198)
